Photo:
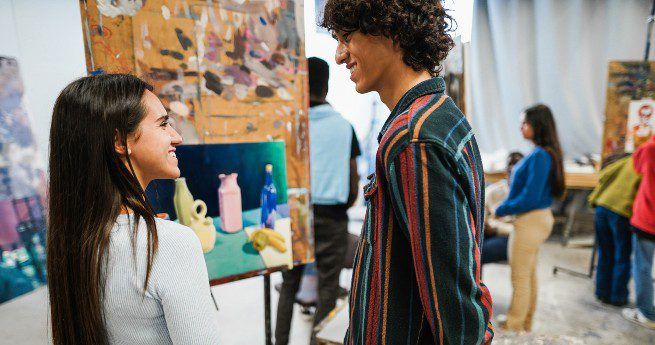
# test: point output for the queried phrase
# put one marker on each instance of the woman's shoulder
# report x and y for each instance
(540, 153)
(175, 236)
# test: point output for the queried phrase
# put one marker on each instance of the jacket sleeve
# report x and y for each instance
(642, 156)
(431, 201)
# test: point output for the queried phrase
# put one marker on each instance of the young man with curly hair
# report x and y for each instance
(417, 272)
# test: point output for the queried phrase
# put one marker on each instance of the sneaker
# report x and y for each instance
(634, 315)
(501, 321)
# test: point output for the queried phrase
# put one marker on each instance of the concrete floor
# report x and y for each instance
(567, 312)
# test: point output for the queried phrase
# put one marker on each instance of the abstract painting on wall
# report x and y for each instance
(227, 183)
(628, 112)
(228, 71)
(22, 192)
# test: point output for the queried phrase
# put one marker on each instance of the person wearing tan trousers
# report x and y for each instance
(535, 181)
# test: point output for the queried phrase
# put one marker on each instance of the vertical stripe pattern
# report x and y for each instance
(416, 275)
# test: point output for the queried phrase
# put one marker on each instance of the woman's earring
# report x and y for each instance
(129, 152)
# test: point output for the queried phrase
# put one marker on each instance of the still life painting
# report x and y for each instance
(234, 197)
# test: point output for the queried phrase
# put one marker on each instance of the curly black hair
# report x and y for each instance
(420, 27)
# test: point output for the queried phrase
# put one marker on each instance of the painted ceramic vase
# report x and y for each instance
(183, 201)
(229, 203)
(203, 226)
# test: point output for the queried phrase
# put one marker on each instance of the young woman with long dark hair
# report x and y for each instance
(536, 180)
(116, 273)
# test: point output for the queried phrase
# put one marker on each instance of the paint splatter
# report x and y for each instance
(111, 8)
(177, 55)
(278, 58)
(179, 108)
(213, 82)
(174, 54)
(284, 94)
(184, 40)
(264, 91)
(240, 74)
(240, 91)
(263, 21)
(165, 12)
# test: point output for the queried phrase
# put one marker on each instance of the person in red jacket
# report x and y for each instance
(643, 241)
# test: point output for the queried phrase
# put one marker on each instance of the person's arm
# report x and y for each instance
(354, 174)
(182, 286)
(500, 227)
(432, 205)
(537, 179)
(354, 183)
(644, 153)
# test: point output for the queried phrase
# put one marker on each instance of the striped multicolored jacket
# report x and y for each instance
(417, 271)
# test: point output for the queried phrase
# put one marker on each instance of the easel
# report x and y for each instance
(266, 274)
(638, 94)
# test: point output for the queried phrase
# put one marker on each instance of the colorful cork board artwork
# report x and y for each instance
(228, 71)
(22, 191)
(629, 108)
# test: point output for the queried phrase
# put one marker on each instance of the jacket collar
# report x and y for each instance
(430, 86)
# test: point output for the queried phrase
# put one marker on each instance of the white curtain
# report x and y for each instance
(549, 51)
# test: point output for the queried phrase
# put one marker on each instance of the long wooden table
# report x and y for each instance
(578, 181)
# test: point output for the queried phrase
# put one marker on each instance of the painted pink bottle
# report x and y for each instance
(229, 203)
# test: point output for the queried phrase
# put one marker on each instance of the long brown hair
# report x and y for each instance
(89, 185)
(541, 119)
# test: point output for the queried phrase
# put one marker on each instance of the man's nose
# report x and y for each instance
(341, 54)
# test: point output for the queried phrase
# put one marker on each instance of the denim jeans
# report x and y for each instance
(494, 249)
(643, 266)
(614, 248)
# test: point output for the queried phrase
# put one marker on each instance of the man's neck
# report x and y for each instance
(316, 102)
(400, 81)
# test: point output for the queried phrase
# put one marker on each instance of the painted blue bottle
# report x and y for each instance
(269, 200)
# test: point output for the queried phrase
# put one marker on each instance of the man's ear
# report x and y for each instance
(121, 149)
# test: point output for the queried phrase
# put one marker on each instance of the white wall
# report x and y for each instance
(45, 36)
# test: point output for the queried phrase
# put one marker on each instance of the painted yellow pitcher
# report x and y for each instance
(203, 226)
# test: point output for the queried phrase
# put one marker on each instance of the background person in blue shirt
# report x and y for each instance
(535, 181)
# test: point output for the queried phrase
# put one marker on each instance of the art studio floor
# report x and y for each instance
(567, 312)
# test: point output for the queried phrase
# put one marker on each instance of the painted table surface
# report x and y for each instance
(233, 257)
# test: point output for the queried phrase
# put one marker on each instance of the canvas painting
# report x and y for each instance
(641, 123)
(228, 184)
(630, 84)
(227, 71)
(22, 191)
